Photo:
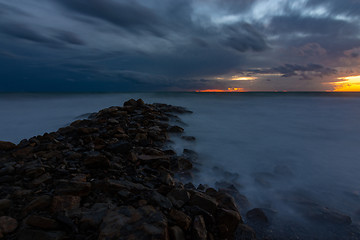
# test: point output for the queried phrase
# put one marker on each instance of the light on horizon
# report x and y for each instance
(347, 84)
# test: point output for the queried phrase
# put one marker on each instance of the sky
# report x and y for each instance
(179, 45)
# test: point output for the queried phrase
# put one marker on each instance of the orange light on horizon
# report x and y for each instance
(347, 84)
(223, 90)
(240, 78)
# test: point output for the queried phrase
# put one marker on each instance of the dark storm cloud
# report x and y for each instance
(127, 15)
(244, 37)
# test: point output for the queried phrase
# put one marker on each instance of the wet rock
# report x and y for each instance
(7, 146)
(180, 218)
(189, 138)
(118, 185)
(326, 215)
(175, 129)
(245, 232)
(65, 203)
(199, 228)
(176, 233)
(257, 215)
(7, 224)
(231, 219)
(203, 201)
(42, 222)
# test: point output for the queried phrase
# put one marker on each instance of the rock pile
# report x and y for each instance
(110, 177)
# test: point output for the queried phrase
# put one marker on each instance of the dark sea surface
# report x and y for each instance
(296, 155)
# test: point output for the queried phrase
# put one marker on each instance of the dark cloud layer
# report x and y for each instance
(122, 45)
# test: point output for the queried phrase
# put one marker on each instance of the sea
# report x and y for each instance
(296, 156)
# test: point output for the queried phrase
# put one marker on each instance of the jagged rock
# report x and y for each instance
(131, 103)
(161, 200)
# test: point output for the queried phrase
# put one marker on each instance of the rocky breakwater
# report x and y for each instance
(110, 176)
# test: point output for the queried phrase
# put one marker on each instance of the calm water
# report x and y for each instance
(272, 146)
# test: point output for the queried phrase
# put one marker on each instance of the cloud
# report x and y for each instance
(22, 31)
(305, 72)
(244, 37)
(127, 15)
(70, 37)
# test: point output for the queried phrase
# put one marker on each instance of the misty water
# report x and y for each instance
(295, 155)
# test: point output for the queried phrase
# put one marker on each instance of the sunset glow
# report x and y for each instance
(223, 90)
(347, 84)
(241, 78)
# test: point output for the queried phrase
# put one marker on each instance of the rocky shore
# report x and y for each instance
(112, 176)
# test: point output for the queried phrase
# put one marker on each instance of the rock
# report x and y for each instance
(178, 197)
(176, 233)
(65, 187)
(30, 234)
(92, 218)
(184, 164)
(42, 222)
(326, 215)
(34, 171)
(181, 219)
(7, 224)
(7, 146)
(175, 129)
(203, 201)
(189, 138)
(231, 219)
(130, 103)
(40, 180)
(161, 200)
(65, 203)
(257, 215)
(39, 203)
(96, 161)
(5, 204)
(245, 232)
(117, 185)
(127, 222)
(122, 147)
(199, 228)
